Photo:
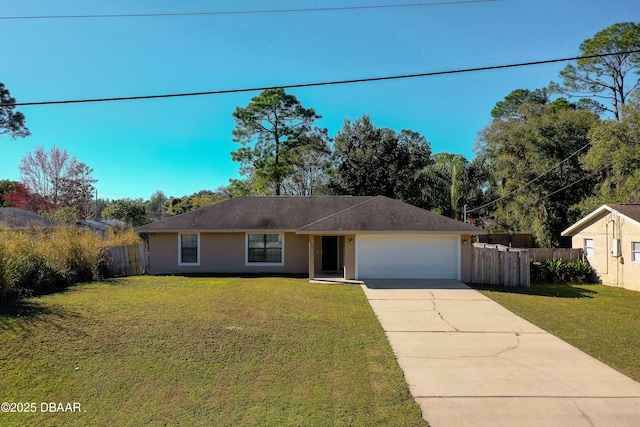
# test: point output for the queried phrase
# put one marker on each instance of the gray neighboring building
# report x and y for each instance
(19, 219)
(101, 226)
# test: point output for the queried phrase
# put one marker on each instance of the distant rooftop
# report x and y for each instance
(19, 219)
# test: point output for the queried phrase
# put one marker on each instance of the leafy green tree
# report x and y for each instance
(180, 205)
(11, 122)
(157, 202)
(418, 151)
(450, 182)
(311, 167)
(610, 78)
(614, 158)
(64, 215)
(510, 106)
(532, 157)
(241, 188)
(270, 129)
(130, 211)
(377, 161)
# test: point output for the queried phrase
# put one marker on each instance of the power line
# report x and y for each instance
(522, 187)
(572, 184)
(246, 12)
(550, 194)
(318, 84)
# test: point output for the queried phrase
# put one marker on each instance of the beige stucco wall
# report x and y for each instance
(317, 246)
(466, 258)
(224, 253)
(349, 257)
(615, 271)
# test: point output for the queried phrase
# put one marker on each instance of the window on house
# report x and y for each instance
(635, 251)
(588, 247)
(264, 248)
(189, 249)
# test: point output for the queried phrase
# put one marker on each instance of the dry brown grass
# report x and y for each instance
(36, 262)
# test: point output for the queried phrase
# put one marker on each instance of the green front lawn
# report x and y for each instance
(202, 351)
(602, 321)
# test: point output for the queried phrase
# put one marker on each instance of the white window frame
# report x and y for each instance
(266, 264)
(586, 248)
(192, 264)
(635, 251)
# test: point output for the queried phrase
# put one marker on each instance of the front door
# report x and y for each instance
(329, 253)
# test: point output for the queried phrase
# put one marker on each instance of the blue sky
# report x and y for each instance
(182, 145)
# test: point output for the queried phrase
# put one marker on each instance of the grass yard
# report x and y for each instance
(602, 321)
(158, 351)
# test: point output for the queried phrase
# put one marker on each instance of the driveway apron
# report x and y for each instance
(471, 362)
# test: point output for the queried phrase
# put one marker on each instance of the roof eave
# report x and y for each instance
(208, 230)
(344, 232)
(575, 228)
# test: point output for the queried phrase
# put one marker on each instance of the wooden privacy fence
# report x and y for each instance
(505, 266)
(500, 265)
(129, 260)
(544, 254)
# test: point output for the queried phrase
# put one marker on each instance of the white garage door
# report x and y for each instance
(395, 256)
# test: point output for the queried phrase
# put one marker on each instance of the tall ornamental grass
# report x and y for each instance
(39, 262)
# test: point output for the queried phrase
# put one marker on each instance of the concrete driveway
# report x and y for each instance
(470, 362)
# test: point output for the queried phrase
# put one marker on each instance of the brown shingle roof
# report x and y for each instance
(310, 214)
(385, 214)
(631, 210)
(19, 219)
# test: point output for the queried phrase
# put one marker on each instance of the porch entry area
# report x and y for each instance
(332, 256)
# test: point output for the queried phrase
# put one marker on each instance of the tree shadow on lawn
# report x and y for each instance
(32, 309)
(556, 290)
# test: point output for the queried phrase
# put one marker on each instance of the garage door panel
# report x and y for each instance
(406, 257)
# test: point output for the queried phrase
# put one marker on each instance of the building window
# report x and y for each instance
(265, 249)
(189, 249)
(635, 251)
(588, 247)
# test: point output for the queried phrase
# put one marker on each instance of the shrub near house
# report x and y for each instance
(560, 271)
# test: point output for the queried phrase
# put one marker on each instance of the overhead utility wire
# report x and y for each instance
(558, 190)
(573, 183)
(522, 187)
(543, 174)
(246, 12)
(329, 83)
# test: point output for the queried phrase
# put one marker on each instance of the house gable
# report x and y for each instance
(610, 236)
(382, 214)
(630, 212)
